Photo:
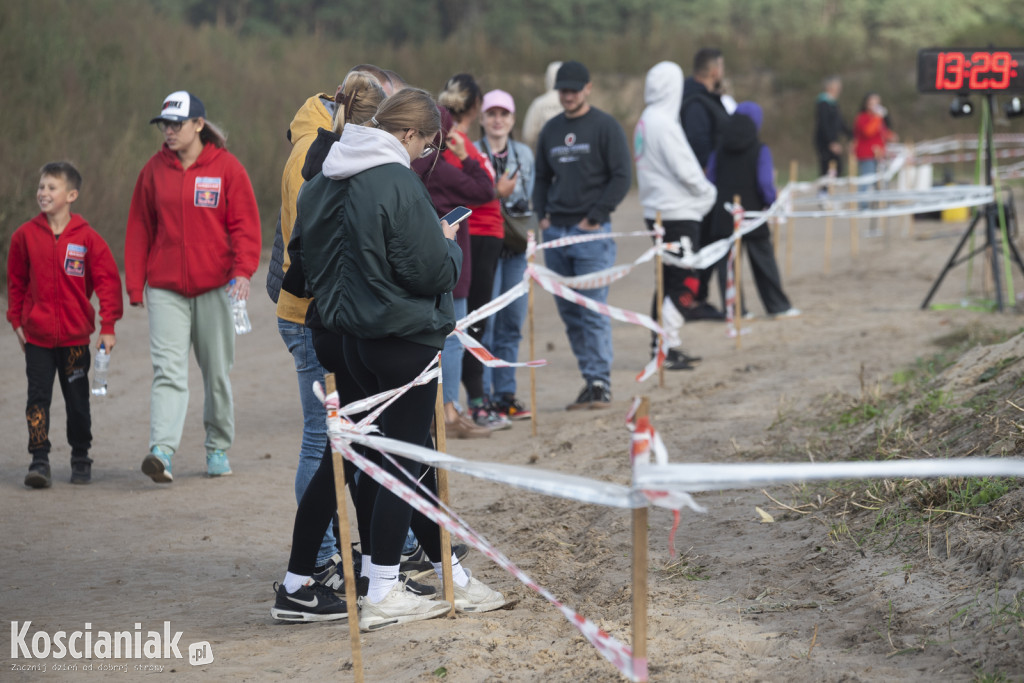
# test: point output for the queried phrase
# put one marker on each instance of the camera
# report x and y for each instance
(519, 207)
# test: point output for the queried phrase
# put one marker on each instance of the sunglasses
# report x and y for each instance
(173, 126)
(428, 150)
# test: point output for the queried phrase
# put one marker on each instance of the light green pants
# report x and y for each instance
(177, 322)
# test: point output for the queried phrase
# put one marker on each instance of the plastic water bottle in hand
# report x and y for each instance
(239, 313)
(100, 370)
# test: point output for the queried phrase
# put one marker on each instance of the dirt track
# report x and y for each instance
(749, 601)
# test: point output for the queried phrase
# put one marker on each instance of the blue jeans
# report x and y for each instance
(590, 333)
(299, 340)
(505, 331)
(866, 167)
(451, 360)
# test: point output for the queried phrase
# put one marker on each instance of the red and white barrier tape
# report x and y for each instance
(489, 359)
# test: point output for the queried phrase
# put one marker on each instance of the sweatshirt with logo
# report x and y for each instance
(191, 230)
(51, 280)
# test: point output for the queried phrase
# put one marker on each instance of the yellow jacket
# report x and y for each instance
(317, 112)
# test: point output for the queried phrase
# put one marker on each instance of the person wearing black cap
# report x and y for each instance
(583, 171)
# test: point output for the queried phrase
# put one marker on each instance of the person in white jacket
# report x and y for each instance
(672, 184)
(543, 107)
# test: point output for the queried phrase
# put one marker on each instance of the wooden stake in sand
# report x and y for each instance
(854, 234)
(659, 280)
(348, 570)
(442, 494)
(828, 219)
(533, 350)
(737, 266)
(789, 224)
(640, 573)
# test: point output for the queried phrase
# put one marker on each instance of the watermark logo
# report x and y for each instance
(89, 644)
(200, 653)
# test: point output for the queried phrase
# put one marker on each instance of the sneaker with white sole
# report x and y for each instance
(477, 597)
(157, 465)
(399, 606)
(312, 602)
(416, 565)
(788, 313)
(332, 577)
(217, 464)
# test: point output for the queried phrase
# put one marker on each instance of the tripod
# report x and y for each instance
(990, 212)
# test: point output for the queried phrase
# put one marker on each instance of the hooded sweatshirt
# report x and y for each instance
(51, 279)
(670, 178)
(317, 112)
(372, 249)
(191, 230)
(742, 166)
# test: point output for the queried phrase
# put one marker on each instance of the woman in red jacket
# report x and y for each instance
(870, 133)
(463, 98)
(193, 239)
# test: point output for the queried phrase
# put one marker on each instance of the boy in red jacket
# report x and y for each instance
(56, 262)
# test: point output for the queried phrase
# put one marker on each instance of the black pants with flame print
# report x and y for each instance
(71, 365)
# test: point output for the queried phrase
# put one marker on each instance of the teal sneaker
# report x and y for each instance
(217, 464)
(157, 465)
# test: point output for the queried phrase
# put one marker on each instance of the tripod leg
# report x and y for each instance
(952, 260)
(992, 235)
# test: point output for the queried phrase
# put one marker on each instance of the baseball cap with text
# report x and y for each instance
(572, 76)
(180, 106)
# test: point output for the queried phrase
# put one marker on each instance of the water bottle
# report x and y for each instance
(239, 313)
(99, 372)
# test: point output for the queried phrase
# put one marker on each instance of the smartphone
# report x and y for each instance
(456, 215)
(511, 170)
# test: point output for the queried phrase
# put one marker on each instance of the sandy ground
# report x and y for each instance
(749, 601)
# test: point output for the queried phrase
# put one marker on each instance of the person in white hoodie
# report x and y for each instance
(672, 184)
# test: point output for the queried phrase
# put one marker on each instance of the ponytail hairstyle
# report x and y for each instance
(211, 133)
(357, 99)
(410, 108)
(461, 95)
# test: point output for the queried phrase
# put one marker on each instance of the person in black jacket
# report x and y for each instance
(381, 269)
(829, 126)
(703, 117)
(742, 166)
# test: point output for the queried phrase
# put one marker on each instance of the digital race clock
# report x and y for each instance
(959, 70)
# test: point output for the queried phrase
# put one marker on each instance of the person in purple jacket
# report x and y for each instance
(449, 187)
(742, 165)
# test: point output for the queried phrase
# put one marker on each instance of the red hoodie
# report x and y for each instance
(50, 281)
(191, 230)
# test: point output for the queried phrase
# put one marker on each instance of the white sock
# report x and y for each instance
(382, 579)
(459, 575)
(293, 582)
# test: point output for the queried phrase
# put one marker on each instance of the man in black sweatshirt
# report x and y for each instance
(583, 172)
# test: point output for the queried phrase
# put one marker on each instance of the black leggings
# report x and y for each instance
(363, 368)
(486, 251)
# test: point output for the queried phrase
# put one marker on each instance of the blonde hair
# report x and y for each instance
(461, 95)
(410, 108)
(357, 98)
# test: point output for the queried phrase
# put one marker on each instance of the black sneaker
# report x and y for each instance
(676, 360)
(702, 311)
(416, 565)
(601, 394)
(81, 472)
(313, 602)
(584, 400)
(38, 476)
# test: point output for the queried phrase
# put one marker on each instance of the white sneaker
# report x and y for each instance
(476, 597)
(790, 313)
(398, 607)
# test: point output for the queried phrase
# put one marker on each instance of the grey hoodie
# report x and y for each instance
(671, 180)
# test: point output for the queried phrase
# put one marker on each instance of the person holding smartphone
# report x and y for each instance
(463, 98)
(380, 267)
(452, 187)
(512, 160)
